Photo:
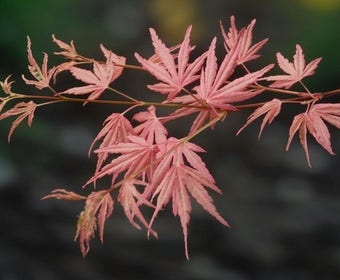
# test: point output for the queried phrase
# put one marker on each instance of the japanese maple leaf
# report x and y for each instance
(22, 110)
(151, 127)
(98, 208)
(270, 109)
(69, 50)
(64, 194)
(135, 156)
(312, 121)
(41, 74)
(131, 199)
(117, 61)
(248, 51)
(116, 130)
(214, 90)
(328, 112)
(296, 71)
(6, 86)
(180, 174)
(173, 76)
(100, 78)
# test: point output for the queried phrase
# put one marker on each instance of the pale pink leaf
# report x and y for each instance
(135, 156)
(329, 112)
(151, 128)
(180, 173)
(271, 109)
(69, 50)
(248, 51)
(100, 77)
(215, 91)
(64, 194)
(296, 71)
(130, 199)
(98, 80)
(116, 129)
(41, 74)
(104, 212)
(22, 110)
(98, 208)
(299, 124)
(173, 76)
(117, 61)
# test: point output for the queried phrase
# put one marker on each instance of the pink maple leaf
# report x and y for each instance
(69, 50)
(135, 156)
(6, 85)
(329, 112)
(174, 77)
(98, 208)
(271, 109)
(179, 174)
(312, 121)
(100, 78)
(41, 74)
(23, 110)
(151, 127)
(296, 71)
(64, 194)
(215, 91)
(116, 130)
(131, 199)
(117, 61)
(248, 51)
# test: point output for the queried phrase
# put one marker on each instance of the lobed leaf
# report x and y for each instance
(296, 71)
(22, 110)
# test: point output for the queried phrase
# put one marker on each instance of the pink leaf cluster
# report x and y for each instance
(179, 174)
(139, 163)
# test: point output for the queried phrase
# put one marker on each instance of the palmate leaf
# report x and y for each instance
(116, 130)
(296, 71)
(42, 74)
(100, 78)
(271, 109)
(248, 51)
(22, 110)
(98, 208)
(313, 122)
(179, 174)
(173, 76)
(151, 127)
(131, 199)
(135, 155)
(214, 90)
(69, 50)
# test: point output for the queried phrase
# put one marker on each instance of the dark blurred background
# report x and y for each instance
(284, 216)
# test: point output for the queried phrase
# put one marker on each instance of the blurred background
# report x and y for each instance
(284, 216)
